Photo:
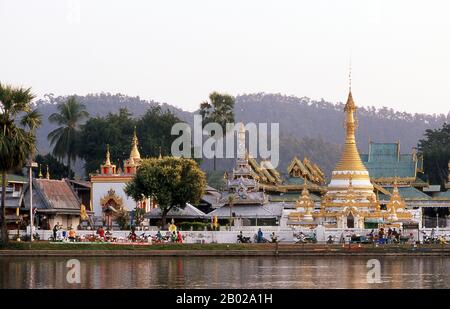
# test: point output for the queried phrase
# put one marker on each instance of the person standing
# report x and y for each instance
(55, 230)
(260, 235)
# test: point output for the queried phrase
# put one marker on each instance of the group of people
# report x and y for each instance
(71, 235)
(383, 237)
(174, 236)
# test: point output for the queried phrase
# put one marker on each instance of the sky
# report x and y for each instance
(178, 51)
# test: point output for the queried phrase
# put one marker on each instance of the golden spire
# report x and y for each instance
(350, 160)
(48, 173)
(40, 172)
(108, 156)
(396, 202)
(160, 155)
(134, 147)
(306, 202)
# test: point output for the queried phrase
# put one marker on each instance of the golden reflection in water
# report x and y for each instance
(226, 272)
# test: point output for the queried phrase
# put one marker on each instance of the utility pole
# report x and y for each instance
(30, 172)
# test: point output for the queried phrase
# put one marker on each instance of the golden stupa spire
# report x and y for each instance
(40, 172)
(108, 156)
(134, 154)
(350, 160)
(306, 202)
(48, 173)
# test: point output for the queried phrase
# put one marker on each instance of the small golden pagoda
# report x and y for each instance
(396, 207)
(107, 168)
(132, 163)
(304, 208)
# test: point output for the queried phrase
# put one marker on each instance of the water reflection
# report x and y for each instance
(250, 272)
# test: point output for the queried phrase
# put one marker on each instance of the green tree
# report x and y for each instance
(219, 109)
(57, 169)
(63, 139)
(18, 124)
(115, 130)
(435, 149)
(153, 130)
(173, 182)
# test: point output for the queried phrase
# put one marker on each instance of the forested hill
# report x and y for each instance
(303, 117)
(307, 127)
(97, 105)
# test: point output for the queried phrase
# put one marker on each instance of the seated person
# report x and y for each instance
(72, 235)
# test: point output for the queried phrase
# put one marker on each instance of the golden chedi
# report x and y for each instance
(350, 165)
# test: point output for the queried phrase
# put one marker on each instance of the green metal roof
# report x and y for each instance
(291, 197)
(384, 160)
(15, 178)
(407, 193)
(442, 195)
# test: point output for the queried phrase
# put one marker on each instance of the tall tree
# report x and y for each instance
(219, 109)
(153, 131)
(173, 182)
(18, 124)
(63, 139)
(435, 149)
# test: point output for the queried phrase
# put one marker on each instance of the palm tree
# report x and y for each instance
(219, 109)
(63, 139)
(17, 136)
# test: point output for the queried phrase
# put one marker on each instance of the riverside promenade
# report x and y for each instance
(42, 249)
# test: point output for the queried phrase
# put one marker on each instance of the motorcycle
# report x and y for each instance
(242, 239)
(330, 240)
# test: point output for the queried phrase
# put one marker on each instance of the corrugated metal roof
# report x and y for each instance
(55, 194)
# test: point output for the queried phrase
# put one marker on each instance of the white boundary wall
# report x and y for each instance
(283, 234)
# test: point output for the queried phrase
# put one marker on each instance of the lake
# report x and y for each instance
(225, 272)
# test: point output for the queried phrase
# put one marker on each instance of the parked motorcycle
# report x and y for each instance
(242, 239)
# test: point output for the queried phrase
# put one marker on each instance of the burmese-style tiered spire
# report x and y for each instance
(134, 154)
(396, 202)
(350, 160)
(306, 202)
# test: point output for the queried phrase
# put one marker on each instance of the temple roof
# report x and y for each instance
(53, 194)
(406, 193)
(384, 160)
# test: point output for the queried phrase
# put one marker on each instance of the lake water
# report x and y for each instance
(226, 272)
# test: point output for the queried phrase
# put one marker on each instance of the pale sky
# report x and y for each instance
(179, 51)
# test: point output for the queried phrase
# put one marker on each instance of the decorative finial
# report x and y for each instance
(40, 172)
(48, 173)
(350, 75)
(160, 155)
(108, 156)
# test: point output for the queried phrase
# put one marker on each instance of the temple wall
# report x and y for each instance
(100, 189)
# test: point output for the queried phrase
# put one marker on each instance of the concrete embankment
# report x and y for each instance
(230, 251)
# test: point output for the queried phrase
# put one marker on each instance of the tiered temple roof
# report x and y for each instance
(385, 162)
